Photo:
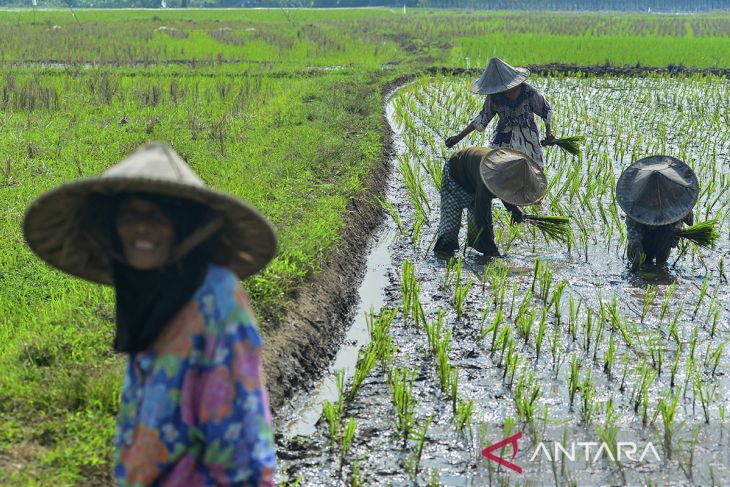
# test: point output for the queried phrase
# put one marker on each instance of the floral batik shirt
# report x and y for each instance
(194, 408)
(516, 127)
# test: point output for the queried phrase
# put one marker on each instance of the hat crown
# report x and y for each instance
(657, 190)
(155, 161)
(513, 176)
(499, 76)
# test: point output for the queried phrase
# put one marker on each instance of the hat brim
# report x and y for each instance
(477, 88)
(513, 177)
(54, 229)
(679, 205)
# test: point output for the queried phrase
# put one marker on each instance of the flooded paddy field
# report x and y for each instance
(609, 377)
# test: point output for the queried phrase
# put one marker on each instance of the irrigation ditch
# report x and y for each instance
(559, 343)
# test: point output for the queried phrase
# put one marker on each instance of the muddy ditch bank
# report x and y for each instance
(573, 353)
(304, 340)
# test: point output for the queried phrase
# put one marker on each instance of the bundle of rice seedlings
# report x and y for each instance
(571, 145)
(704, 234)
(552, 227)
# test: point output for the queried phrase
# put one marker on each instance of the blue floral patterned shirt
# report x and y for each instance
(194, 408)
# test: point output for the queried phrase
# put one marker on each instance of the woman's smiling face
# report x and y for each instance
(146, 232)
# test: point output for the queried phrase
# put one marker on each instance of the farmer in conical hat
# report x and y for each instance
(516, 103)
(471, 179)
(175, 252)
(657, 194)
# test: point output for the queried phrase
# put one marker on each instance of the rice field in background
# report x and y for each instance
(283, 108)
(557, 341)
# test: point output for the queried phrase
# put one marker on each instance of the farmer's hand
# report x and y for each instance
(452, 141)
(548, 138)
(517, 218)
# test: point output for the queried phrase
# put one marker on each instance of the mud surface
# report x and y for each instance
(651, 366)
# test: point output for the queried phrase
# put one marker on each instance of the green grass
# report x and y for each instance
(283, 110)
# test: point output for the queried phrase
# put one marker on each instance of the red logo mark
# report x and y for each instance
(512, 440)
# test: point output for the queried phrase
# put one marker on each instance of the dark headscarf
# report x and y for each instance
(147, 300)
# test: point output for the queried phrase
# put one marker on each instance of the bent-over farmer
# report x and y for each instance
(471, 179)
(657, 194)
(194, 409)
(516, 103)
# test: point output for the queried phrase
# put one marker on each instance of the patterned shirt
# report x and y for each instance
(194, 408)
(516, 127)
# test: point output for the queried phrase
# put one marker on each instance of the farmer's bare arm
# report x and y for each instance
(455, 139)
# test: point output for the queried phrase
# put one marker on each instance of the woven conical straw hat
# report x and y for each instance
(657, 190)
(498, 77)
(513, 176)
(62, 225)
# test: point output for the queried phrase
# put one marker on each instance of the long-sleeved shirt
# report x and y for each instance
(194, 408)
(516, 127)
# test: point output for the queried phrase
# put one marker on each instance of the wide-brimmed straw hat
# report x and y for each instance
(657, 190)
(513, 176)
(65, 229)
(498, 77)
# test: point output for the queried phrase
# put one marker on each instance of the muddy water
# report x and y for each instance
(699, 434)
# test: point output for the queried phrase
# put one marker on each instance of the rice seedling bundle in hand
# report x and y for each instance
(571, 144)
(552, 227)
(704, 234)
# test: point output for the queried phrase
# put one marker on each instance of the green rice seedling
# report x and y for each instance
(355, 480)
(494, 328)
(419, 437)
(649, 296)
(674, 369)
(461, 291)
(588, 393)
(348, 435)
(713, 328)
(704, 234)
(588, 330)
(673, 329)
(365, 362)
(667, 299)
(433, 331)
(453, 272)
(714, 358)
(514, 298)
(573, 313)
(545, 281)
(454, 388)
(409, 287)
(553, 228)
(524, 324)
(515, 360)
(668, 410)
(646, 378)
(333, 421)
(401, 390)
(705, 392)
(701, 297)
(556, 299)
(414, 187)
(571, 144)
(654, 344)
(392, 211)
(463, 414)
(609, 358)
(443, 347)
(434, 168)
(503, 340)
(572, 375)
(541, 332)
(556, 345)
(527, 392)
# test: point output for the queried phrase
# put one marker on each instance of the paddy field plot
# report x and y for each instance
(558, 341)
